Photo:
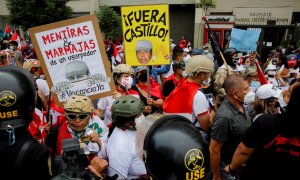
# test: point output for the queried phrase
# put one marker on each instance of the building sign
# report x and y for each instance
(220, 19)
(73, 58)
(263, 16)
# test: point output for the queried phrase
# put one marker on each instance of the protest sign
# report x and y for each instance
(146, 34)
(73, 58)
(244, 40)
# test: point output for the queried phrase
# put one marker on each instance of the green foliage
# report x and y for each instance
(205, 4)
(110, 22)
(30, 13)
(298, 44)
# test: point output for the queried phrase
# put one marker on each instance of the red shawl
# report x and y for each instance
(154, 88)
(182, 97)
(64, 133)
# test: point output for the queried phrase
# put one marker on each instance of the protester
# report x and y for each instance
(172, 81)
(230, 122)
(267, 100)
(187, 100)
(270, 146)
(3, 59)
(121, 150)
(16, 53)
(80, 123)
(154, 100)
(123, 79)
(22, 157)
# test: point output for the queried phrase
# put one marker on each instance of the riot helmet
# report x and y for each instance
(17, 97)
(175, 150)
(79, 104)
(126, 108)
(228, 53)
(197, 64)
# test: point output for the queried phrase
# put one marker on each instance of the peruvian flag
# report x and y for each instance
(260, 74)
(17, 38)
(116, 56)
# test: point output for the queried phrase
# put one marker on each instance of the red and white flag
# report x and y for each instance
(116, 56)
(16, 38)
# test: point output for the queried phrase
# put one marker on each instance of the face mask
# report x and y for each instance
(206, 82)
(249, 98)
(255, 84)
(143, 77)
(127, 82)
(272, 73)
(205, 51)
(235, 60)
(11, 48)
(246, 66)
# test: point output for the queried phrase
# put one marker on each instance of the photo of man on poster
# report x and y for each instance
(143, 51)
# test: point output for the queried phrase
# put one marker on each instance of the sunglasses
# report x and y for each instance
(73, 117)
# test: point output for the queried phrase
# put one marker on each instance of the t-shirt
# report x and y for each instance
(277, 155)
(200, 107)
(122, 156)
(228, 126)
(43, 86)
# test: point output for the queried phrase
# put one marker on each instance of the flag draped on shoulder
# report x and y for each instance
(181, 98)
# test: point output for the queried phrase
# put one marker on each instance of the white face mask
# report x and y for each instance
(249, 98)
(127, 82)
(205, 51)
(272, 73)
(206, 82)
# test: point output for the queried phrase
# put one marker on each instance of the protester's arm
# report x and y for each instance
(156, 103)
(43, 99)
(215, 158)
(219, 81)
(241, 155)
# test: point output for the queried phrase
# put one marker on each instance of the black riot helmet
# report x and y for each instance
(228, 53)
(174, 150)
(17, 97)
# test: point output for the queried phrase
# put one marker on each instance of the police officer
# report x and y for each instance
(175, 150)
(20, 154)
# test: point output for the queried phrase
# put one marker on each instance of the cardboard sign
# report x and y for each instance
(73, 58)
(244, 40)
(146, 34)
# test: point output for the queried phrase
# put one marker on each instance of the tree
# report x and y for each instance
(110, 22)
(30, 13)
(205, 4)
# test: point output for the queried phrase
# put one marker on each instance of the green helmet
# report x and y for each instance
(126, 106)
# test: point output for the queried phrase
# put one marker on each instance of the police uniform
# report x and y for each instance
(20, 155)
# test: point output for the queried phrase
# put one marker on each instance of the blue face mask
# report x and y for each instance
(255, 84)
(11, 48)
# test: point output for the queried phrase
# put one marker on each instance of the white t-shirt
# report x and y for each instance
(200, 107)
(122, 156)
(105, 105)
(170, 72)
(43, 86)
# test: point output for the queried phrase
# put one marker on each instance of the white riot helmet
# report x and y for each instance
(76, 70)
(197, 64)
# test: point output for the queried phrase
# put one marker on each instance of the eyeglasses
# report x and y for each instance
(73, 117)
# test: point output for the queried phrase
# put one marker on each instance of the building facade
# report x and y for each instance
(277, 19)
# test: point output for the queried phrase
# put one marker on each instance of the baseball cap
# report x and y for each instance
(266, 91)
(143, 45)
(197, 51)
(141, 68)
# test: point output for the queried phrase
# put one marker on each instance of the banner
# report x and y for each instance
(73, 57)
(146, 35)
(244, 40)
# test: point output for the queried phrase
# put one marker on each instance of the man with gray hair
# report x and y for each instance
(230, 122)
(143, 51)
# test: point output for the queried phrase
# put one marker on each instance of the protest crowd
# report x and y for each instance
(238, 108)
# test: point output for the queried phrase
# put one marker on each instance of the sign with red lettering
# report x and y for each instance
(73, 57)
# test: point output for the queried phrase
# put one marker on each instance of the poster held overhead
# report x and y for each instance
(73, 58)
(146, 35)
